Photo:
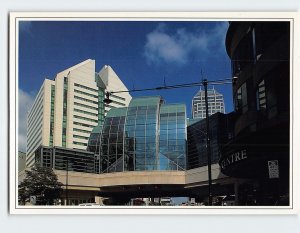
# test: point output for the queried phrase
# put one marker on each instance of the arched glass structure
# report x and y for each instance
(146, 135)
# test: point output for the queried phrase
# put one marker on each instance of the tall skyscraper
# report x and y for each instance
(67, 108)
(215, 103)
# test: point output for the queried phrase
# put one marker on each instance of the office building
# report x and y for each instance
(260, 58)
(215, 103)
(221, 131)
(146, 135)
(67, 108)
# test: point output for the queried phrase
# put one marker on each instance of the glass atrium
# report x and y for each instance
(146, 135)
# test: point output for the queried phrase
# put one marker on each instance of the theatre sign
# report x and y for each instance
(233, 158)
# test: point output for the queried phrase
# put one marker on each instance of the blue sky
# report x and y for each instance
(143, 54)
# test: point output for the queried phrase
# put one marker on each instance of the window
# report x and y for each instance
(241, 99)
(261, 102)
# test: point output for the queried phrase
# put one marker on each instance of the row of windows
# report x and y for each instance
(32, 147)
(81, 130)
(85, 112)
(202, 104)
(117, 97)
(82, 124)
(37, 113)
(85, 100)
(85, 106)
(241, 98)
(80, 137)
(85, 87)
(84, 93)
(34, 135)
(210, 99)
(117, 102)
(85, 118)
(79, 143)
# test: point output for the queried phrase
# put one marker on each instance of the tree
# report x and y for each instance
(42, 183)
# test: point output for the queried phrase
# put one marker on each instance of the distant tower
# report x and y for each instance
(215, 103)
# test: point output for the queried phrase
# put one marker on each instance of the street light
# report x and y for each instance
(107, 100)
(67, 181)
(204, 82)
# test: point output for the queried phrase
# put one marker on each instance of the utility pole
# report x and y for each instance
(205, 82)
(67, 180)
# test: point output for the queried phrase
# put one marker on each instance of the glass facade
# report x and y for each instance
(147, 135)
(65, 105)
(52, 115)
(221, 131)
(172, 139)
(66, 159)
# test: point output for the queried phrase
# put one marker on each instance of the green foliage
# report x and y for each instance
(41, 182)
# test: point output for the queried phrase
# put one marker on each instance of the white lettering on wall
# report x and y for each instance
(233, 158)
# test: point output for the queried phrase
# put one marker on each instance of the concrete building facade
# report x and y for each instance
(67, 108)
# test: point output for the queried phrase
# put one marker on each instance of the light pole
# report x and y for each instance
(67, 180)
(204, 82)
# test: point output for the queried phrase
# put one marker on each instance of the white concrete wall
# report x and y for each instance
(47, 112)
(113, 83)
(85, 76)
(58, 112)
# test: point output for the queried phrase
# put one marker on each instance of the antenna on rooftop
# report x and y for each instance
(202, 78)
(133, 88)
(165, 81)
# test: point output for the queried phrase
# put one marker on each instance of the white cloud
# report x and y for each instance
(178, 47)
(25, 103)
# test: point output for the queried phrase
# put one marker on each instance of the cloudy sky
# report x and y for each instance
(143, 54)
